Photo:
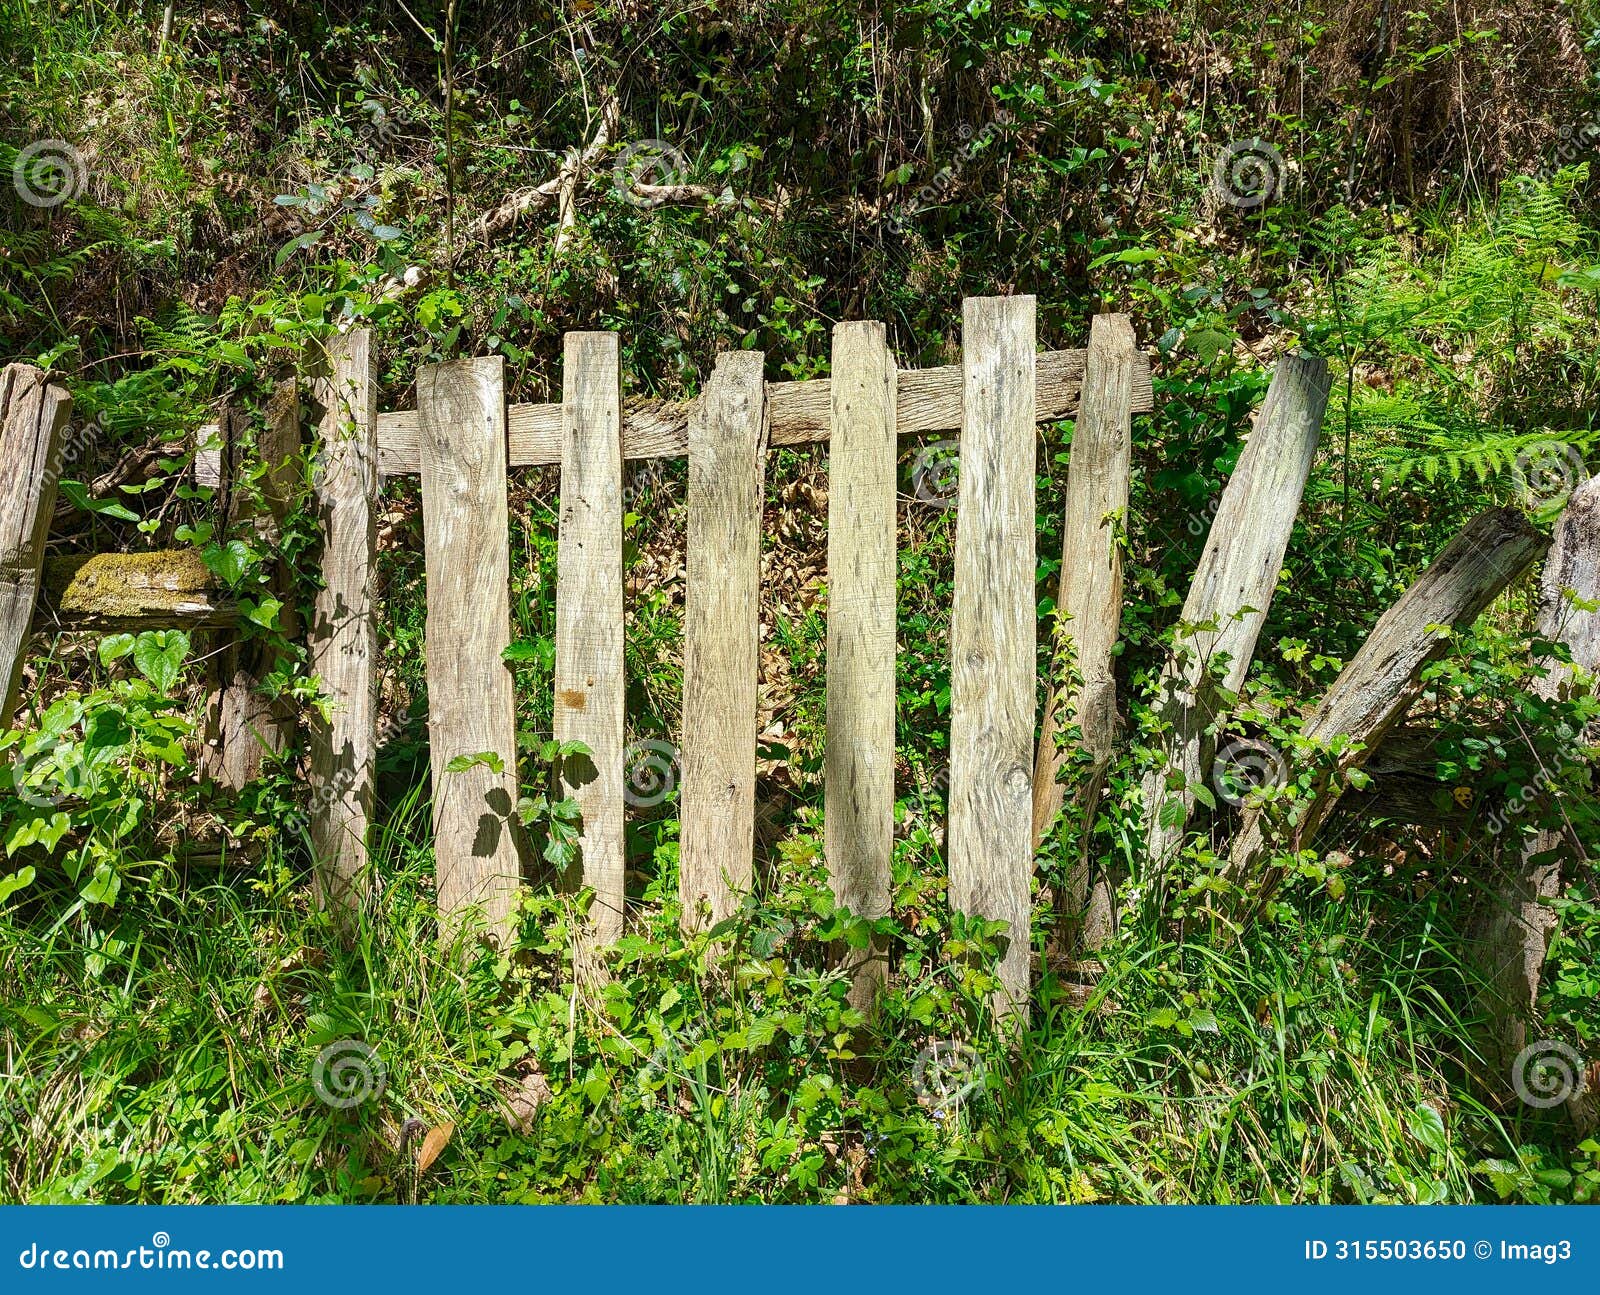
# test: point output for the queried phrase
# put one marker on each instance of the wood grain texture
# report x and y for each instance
(33, 421)
(1515, 920)
(859, 773)
(343, 638)
(244, 726)
(589, 687)
(1232, 590)
(1374, 690)
(471, 705)
(727, 461)
(993, 637)
(927, 400)
(1089, 606)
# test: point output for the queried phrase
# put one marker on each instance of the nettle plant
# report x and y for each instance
(82, 788)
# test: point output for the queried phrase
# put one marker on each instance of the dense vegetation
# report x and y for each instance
(254, 175)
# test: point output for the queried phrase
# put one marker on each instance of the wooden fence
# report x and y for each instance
(1003, 791)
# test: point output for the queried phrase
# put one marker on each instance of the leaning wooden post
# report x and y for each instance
(1089, 603)
(1232, 590)
(589, 616)
(343, 634)
(859, 791)
(993, 638)
(33, 418)
(245, 725)
(727, 471)
(1513, 929)
(1374, 690)
(472, 711)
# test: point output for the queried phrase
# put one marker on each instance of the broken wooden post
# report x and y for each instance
(1511, 935)
(1232, 589)
(33, 418)
(859, 753)
(472, 710)
(245, 726)
(993, 639)
(1373, 691)
(721, 626)
(589, 687)
(1089, 608)
(342, 637)
(128, 592)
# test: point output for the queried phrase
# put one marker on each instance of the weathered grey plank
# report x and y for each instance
(471, 706)
(1089, 604)
(1233, 588)
(343, 638)
(993, 637)
(727, 458)
(1374, 689)
(1515, 922)
(244, 725)
(589, 616)
(927, 400)
(859, 773)
(33, 418)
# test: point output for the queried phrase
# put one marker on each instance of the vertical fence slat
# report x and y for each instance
(589, 614)
(33, 419)
(859, 822)
(245, 725)
(727, 465)
(461, 414)
(1233, 586)
(1089, 602)
(993, 636)
(343, 635)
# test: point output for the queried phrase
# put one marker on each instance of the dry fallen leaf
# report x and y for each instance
(433, 1145)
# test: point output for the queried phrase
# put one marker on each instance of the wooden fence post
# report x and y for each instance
(461, 413)
(1089, 605)
(722, 606)
(859, 800)
(589, 615)
(33, 417)
(1373, 691)
(1232, 589)
(245, 726)
(343, 634)
(1512, 930)
(993, 637)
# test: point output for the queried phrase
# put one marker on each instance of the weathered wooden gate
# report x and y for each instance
(1002, 792)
